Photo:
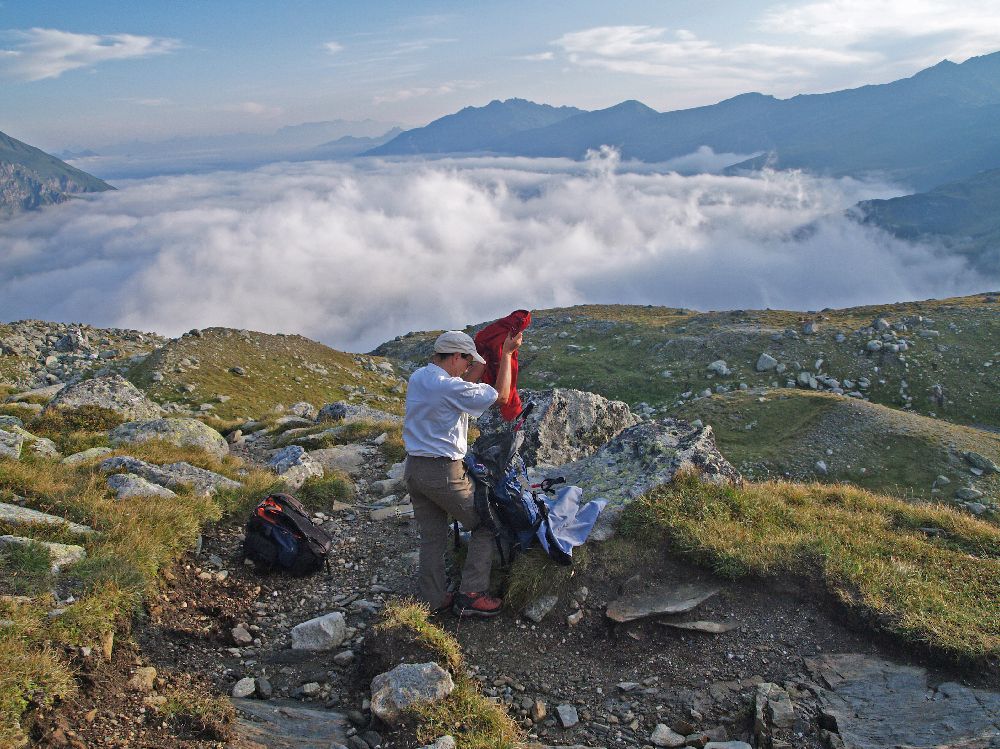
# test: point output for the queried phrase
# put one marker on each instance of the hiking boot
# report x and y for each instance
(446, 602)
(476, 604)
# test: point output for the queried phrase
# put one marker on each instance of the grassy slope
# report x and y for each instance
(281, 369)
(785, 432)
(625, 351)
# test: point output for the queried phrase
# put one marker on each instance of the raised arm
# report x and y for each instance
(510, 345)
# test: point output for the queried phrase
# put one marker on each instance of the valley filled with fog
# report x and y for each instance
(354, 253)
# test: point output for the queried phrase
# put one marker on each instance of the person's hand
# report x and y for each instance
(512, 343)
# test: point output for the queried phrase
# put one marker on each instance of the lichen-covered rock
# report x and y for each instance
(85, 455)
(565, 425)
(347, 458)
(181, 432)
(346, 412)
(113, 392)
(10, 444)
(406, 686)
(172, 475)
(17, 515)
(130, 486)
(645, 456)
(303, 409)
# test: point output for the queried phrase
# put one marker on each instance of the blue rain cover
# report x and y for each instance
(569, 521)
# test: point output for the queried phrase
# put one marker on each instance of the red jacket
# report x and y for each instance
(489, 342)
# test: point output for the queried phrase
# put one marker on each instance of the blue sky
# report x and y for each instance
(87, 72)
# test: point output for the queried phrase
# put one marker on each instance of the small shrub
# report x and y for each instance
(24, 570)
(321, 493)
(202, 716)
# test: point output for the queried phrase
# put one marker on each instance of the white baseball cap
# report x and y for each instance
(457, 342)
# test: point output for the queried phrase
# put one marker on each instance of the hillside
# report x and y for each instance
(960, 216)
(934, 127)
(31, 178)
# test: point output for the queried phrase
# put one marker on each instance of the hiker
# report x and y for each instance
(440, 398)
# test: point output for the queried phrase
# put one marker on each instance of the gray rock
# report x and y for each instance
(663, 735)
(304, 410)
(294, 465)
(567, 716)
(322, 633)
(183, 432)
(10, 445)
(244, 687)
(765, 363)
(655, 600)
(172, 475)
(967, 494)
(287, 724)
(720, 368)
(406, 686)
(263, 688)
(60, 555)
(10, 421)
(980, 461)
(113, 392)
(821, 467)
(345, 412)
(130, 486)
(349, 459)
(874, 345)
(17, 515)
(565, 425)
(241, 635)
(773, 708)
(48, 391)
(875, 704)
(727, 745)
(443, 742)
(540, 608)
(43, 447)
(645, 456)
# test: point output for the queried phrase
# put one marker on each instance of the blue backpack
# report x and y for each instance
(513, 513)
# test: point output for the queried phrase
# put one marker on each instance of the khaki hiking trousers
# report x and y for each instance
(440, 487)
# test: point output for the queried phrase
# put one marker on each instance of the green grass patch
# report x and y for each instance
(321, 493)
(534, 574)
(199, 714)
(868, 550)
(24, 569)
(475, 721)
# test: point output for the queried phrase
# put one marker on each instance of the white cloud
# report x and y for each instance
(333, 47)
(48, 53)
(405, 94)
(356, 254)
(539, 57)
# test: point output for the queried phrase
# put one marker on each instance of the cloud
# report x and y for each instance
(333, 47)
(356, 254)
(828, 43)
(539, 57)
(405, 94)
(418, 45)
(48, 53)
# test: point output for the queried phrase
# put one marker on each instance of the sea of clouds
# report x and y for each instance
(353, 254)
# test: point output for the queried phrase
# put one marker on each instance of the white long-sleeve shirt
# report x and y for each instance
(438, 407)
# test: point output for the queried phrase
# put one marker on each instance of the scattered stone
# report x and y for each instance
(294, 465)
(244, 687)
(443, 742)
(575, 618)
(765, 363)
(821, 467)
(715, 628)
(663, 736)
(241, 635)
(540, 608)
(655, 600)
(968, 494)
(727, 745)
(263, 688)
(173, 475)
(113, 392)
(238, 371)
(349, 459)
(984, 464)
(322, 633)
(311, 688)
(567, 715)
(538, 711)
(344, 658)
(143, 679)
(129, 486)
(720, 368)
(874, 345)
(406, 686)
(183, 432)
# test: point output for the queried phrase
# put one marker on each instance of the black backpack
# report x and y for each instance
(279, 535)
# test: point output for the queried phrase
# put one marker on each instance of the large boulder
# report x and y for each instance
(181, 432)
(407, 686)
(113, 392)
(24, 516)
(645, 456)
(565, 425)
(131, 486)
(345, 412)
